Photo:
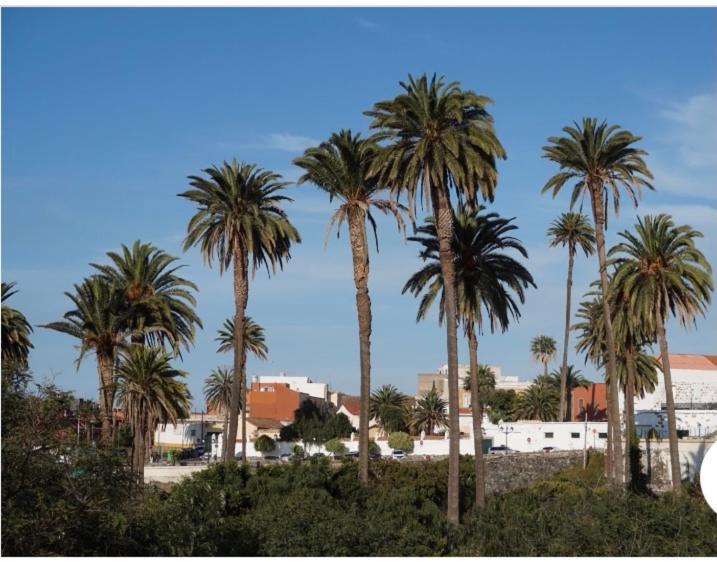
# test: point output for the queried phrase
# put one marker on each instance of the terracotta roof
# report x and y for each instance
(692, 361)
(464, 410)
(265, 423)
(352, 404)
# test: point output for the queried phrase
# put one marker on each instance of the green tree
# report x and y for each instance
(218, 394)
(540, 401)
(388, 407)
(150, 392)
(489, 285)
(664, 274)
(99, 320)
(335, 446)
(264, 444)
(440, 139)
(429, 412)
(240, 222)
(601, 159)
(572, 379)
(155, 296)
(501, 404)
(400, 440)
(16, 331)
(542, 349)
(340, 167)
(574, 231)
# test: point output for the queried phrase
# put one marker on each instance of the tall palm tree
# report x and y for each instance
(572, 230)
(542, 349)
(664, 274)
(601, 159)
(486, 278)
(240, 222)
(218, 394)
(388, 407)
(16, 331)
(340, 167)
(99, 320)
(572, 379)
(440, 139)
(539, 401)
(155, 295)
(254, 343)
(150, 392)
(429, 413)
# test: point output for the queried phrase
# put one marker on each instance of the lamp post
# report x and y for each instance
(506, 430)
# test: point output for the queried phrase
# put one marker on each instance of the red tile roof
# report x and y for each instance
(265, 423)
(352, 404)
(692, 361)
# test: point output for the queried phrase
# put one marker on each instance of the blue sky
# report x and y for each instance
(106, 111)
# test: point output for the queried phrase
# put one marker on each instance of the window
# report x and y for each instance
(581, 404)
(602, 435)
(194, 433)
(548, 434)
(575, 435)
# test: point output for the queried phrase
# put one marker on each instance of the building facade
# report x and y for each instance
(304, 385)
(694, 384)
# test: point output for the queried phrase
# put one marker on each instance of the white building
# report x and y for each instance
(440, 380)
(299, 384)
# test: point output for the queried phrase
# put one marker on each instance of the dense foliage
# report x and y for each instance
(316, 426)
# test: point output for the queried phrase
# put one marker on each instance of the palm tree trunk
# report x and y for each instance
(477, 411)
(669, 396)
(243, 408)
(224, 431)
(566, 337)
(104, 367)
(615, 463)
(444, 228)
(359, 253)
(631, 455)
(241, 296)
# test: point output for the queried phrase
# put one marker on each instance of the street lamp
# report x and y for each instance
(506, 430)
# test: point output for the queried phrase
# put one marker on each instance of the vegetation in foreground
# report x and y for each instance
(59, 498)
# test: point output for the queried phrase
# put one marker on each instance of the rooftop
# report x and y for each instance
(693, 362)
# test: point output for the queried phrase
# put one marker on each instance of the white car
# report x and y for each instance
(500, 450)
(398, 454)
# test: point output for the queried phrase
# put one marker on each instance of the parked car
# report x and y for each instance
(398, 454)
(271, 458)
(352, 455)
(318, 456)
(374, 456)
(286, 457)
(550, 449)
(500, 450)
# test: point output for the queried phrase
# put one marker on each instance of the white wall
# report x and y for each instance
(688, 385)
(299, 384)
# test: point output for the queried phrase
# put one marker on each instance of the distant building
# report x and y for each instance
(276, 401)
(350, 406)
(304, 385)
(592, 400)
(694, 384)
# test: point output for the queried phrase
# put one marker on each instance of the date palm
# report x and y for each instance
(155, 295)
(441, 139)
(16, 331)
(99, 320)
(340, 167)
(241, 223)
(601, 159)
(150, 392)
(538, 402)
(218, 394)
(574, 231)
(388, 407)
(429, 412)
(488, 283)
(572, 379)
(542, 349)
(664, 274)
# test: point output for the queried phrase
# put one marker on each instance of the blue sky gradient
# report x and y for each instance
(106, 111)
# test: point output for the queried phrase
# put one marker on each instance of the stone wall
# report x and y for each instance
(655, 460)
(510, 472)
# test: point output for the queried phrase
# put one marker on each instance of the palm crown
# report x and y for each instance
(542, 348)
(218, 389)
(254, 340)
(439, 129)
(15, 331)
(572, 230)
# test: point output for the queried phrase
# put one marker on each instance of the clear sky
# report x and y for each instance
(106, 111)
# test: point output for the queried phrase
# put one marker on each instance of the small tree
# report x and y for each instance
(264, 444)
(373, 448)
(298, 450)
(400, 440)
(335, 446)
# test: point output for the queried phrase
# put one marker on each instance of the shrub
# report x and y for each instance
(400, 440)
(373, 447)
(335, 446)
(264, 444)
(298, 450)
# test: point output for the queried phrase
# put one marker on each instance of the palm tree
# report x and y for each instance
(340, 167)
(572, 230)
(150, 392)
(602, 159)
(254, 343)
(155, 295)
(539, 401)
(429, 413)
(441, 139)
(542, 348)
(239, 218)
(572, 379)
(486, 278)
(218, 394)
(388, 407)
(664, 274)
(16, 331)
(99, 320)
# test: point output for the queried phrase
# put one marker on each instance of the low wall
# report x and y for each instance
(510, 472)
(655, 460)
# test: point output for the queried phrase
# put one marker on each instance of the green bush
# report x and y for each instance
(335, 446)
(264, 444)
(400, 440)
(298, 450)
(373, 447)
